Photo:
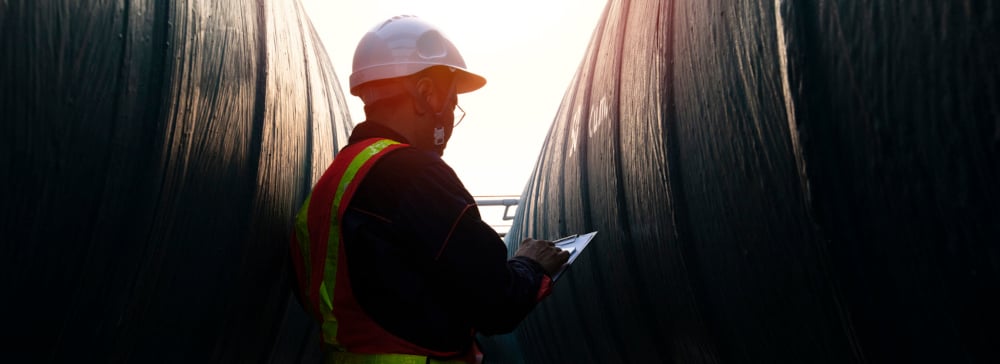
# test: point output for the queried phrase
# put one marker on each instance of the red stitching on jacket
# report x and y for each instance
(544, 289)
(372, 214)
(452, 231)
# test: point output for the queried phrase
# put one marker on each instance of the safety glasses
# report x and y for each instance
(459, 115)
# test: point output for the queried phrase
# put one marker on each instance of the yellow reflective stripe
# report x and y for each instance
(354, 358)
(302, 235)
(333, 238)
(352, 169)
(328, 286)
(330, 270)
(329, 328)
(326, 292)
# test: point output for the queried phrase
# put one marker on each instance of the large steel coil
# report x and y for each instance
(774, 182)
(153, 154)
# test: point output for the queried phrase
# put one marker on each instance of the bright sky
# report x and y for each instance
(528, 50)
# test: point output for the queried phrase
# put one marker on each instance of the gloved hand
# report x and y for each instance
(545, 253)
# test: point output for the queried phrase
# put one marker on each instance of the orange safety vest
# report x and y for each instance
(321, 266)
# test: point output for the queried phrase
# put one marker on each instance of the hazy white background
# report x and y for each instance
(527, 50)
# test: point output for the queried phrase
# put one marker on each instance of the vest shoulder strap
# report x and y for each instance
(317, 236)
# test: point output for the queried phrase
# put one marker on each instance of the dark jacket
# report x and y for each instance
(422, 263)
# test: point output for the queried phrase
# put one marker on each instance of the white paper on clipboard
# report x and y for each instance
(575, 244)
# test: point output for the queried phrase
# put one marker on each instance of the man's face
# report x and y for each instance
(440, 101)
(449, 110)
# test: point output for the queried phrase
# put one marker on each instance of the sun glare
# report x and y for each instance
(527, 50)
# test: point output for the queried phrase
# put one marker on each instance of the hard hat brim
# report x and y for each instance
(466, 81)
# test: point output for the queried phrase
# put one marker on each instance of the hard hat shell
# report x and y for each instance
(405, 45)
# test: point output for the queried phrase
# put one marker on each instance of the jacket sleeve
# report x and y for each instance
(492, 292)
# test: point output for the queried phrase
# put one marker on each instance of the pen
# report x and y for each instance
(557, 241)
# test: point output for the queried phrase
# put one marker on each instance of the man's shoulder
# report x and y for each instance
(404, 171)
(410, 158)
(402, 157)
(411, 162)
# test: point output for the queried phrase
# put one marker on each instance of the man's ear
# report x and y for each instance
(425, 88)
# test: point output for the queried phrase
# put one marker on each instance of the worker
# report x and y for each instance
(390, 252)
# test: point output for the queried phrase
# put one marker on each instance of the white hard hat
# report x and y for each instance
(405, 45)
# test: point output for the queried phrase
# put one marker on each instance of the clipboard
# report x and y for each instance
(575, 244)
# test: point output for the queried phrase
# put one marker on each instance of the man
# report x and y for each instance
(390, 251)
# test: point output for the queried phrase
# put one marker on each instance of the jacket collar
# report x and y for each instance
(370, 129)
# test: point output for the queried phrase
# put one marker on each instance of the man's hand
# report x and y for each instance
(545, 253)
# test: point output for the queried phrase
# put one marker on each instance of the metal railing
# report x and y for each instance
(500, 224)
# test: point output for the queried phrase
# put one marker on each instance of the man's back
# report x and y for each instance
(422, 263)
